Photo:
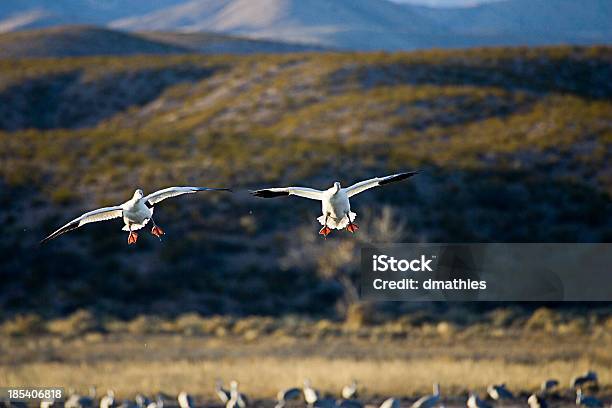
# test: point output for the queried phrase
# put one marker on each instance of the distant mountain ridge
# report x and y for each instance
(27, 14)
(530, 21)
(76, 41)
(345, 24)
(354, 24)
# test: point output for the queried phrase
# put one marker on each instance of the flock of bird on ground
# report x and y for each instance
(233, 398)
(138, 211)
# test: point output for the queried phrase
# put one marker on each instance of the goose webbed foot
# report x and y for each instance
(158, 232)
(325, 231)
(132, 237)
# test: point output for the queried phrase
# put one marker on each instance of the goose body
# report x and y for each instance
(126, 403)
(499, 392)
(336, 207)
(185, 400)
(335, 203)
(580, 380)
(108, 401)
(429, 401)
(310, 394)
(475, 402)
(390, 403)
(47, 403)
(536, 401)
(81, 401)
(325, 403)
(289, 394)
(223, 394)
(158, 403)
(136, 212)
(141, 401)
(587, 400)
(349, 403)
(549, 385)
(349, 391)
(237, 399)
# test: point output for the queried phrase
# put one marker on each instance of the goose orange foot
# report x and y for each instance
(353, 228)
(325, 231)
(132, 238)
(158, 232)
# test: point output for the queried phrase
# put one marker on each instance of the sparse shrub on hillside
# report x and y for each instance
(575, 326)
(338, 257)
(543, 319)
(359, 315)
(145, 324)
(78, 323)
(513, 145)
(504, 317)
(62, 196)
(190, 324)
(23, 325)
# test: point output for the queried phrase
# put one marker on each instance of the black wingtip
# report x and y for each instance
(47, 239)
(66, 228)
(398, 177)
(214, 189)
(269, 193)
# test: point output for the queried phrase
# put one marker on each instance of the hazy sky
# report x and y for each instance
(445, 3)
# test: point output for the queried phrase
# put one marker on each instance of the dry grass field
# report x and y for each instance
(266, 355)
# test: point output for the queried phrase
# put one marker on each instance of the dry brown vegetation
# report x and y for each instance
(398, 357)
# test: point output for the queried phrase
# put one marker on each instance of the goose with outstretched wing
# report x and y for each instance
(335, 202)
(136, 212)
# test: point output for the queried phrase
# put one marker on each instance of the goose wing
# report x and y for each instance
(286, 191)
(377, 181)
(161, 195)
(101, 214)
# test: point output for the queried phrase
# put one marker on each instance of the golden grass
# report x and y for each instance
(262, 377)
(131, 363)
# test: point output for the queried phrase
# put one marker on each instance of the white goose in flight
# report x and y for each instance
(335, 203)
(136, 212)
